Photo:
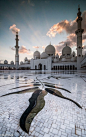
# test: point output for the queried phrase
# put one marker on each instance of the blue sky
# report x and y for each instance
(34, 19)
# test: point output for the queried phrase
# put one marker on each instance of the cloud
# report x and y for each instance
(31, 3)
(71, 41)
(67, 26)
(58, 49)
(43, 47)
(36, 47)
(83, 38)
(14, 29)
(84, 46)
(23, 50)
(84, 49)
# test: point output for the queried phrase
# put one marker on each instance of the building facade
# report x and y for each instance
(49, 60)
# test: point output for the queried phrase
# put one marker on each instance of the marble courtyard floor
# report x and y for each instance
(58, 118)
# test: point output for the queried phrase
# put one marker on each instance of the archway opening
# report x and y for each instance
(44, 67)
(35, 67)
(73, 67)
(70, 67)
(40, 66)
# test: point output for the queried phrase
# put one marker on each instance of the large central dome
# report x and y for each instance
(50, 50)
(66, 51)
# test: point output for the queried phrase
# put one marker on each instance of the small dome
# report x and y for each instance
(57, 56)
(26, 59)
(61, 57)
(73, 54)
(5, 62)
(50, 50)
(36, 55)
(66, 51)
(21, 62)
(43, 55)
(11, 62)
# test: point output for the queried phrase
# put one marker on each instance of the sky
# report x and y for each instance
(39, 23)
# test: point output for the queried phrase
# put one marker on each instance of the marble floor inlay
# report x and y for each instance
(42, 105)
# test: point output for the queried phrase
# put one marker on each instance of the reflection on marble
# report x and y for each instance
(58, 118)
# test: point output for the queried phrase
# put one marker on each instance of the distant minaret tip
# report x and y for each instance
(79, 8)
(16, 32)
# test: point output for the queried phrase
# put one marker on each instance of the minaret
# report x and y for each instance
(79, 32)
(17, 54)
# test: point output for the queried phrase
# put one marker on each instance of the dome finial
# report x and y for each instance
(79, 8)
(16, 32)
(79, 12)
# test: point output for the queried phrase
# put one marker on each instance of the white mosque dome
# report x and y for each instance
(50, 50)
(57, 56)
(11, 62)
(26, 62)
(73, 54)
(43, 55)
(36, 55)
(26, 59)
(66, 51)
(5, 62)
(21, 62)
(60, 57)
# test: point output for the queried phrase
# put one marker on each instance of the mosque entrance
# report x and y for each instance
(40, 66)
(44, 67)
(35, 67)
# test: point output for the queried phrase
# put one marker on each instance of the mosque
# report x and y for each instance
(48, 60)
